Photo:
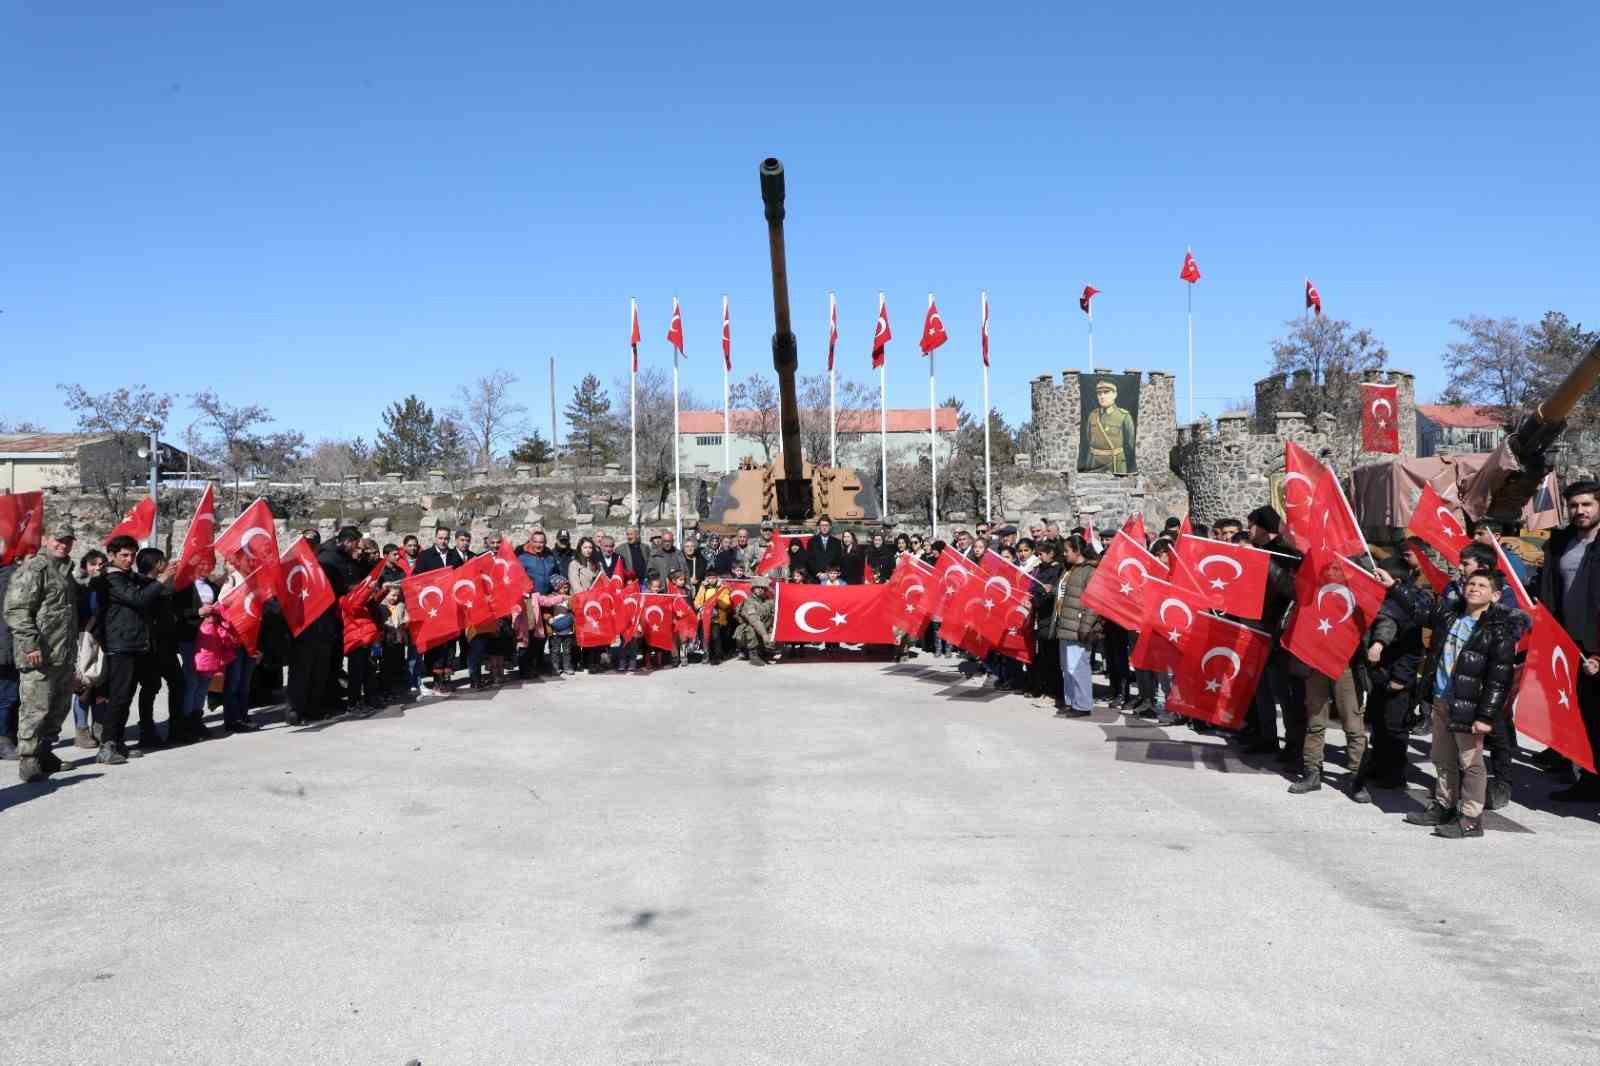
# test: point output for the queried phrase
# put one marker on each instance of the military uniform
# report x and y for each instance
(1110, 439)
(754, 632)
(41, 609)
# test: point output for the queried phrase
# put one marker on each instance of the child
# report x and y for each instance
(679, 585)
(558, 622)
(654, 657)
(394, 667)
(713, 592)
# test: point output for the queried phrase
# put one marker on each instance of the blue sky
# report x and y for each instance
(321, 207)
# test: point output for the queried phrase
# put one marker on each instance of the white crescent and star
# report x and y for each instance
(250, 535)
(1382, 401)
(1225, 560)
(1562, 673)
(801, 619)
(250, 604)
(1448, 521)
(1344, 593)
(455, 590)
(654, 610)
(1188, 616)
(422, 599)
(498, 564)
(1291, 477)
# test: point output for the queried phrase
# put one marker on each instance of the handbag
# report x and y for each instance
(90, 663)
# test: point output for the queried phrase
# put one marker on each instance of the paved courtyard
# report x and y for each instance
(809, 863)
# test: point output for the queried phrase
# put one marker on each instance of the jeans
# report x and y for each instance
(236, 689)
(197, 684)
(10, 700)
(1076, 681)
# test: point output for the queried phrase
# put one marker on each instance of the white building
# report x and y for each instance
(700, 437)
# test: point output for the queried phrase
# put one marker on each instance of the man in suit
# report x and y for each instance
(824, 553)
(635, 556)
(612, 564)
(440, 555)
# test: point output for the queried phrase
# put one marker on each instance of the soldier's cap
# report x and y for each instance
(1105, 386)
(761, 582)
(63, 531)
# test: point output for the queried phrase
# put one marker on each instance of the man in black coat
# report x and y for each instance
(1394, 657)
(825, 552)
(1569, 586)
(313, 671)
(130, 599)
(635, 555)
(439, 556)
(1279, 686)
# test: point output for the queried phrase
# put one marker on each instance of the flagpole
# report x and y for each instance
(933, 445)
(1091, 337)
(883, 420)
(1191, 350)
(988, 496)
(833, 425)
(633, 421)
(727, 427)
(677, 486)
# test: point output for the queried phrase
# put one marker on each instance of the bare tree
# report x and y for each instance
(489, 415)
(653, 389)
(757, 397)
(855, 408)
(1491, 366)
(1326, 359)
(1555, 345)
(21, 426)
(330, 460)
(234, 442)
(128, 416)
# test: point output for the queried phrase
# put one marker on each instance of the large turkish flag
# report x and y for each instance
(834, 614)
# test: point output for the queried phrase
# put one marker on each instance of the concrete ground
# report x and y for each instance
(807, 863)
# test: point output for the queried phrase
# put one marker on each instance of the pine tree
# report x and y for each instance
(534, 450)
(408, 443)
(591, 429)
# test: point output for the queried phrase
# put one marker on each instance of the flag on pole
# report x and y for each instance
(984, 335)
(137, 523)
(1191, 269)
(633, 333)
(727, 337)
(881, 334)
(1437, 526)
(833, 328)
(933, 334)
(1380, 429)
(675, 329)
(21, 525)
(198, 555)
(1084, 301)
(1313, 298)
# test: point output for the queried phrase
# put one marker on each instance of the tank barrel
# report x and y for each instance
(794, 493)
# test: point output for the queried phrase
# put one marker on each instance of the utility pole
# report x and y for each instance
(554, 450)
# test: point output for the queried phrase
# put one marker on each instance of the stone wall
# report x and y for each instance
(1229, 470)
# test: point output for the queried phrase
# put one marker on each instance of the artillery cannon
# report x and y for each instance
(792, 492)
(1523, 459)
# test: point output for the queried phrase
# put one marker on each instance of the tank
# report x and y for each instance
(791, 493)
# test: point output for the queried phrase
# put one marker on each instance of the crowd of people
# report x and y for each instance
(1437, 661)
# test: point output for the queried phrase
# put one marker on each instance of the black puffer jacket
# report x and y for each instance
(1398, 627)
(128, 602)
(1483, 669)
(1280, 585)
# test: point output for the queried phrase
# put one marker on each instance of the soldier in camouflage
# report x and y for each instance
(41, 609)
(754, 632)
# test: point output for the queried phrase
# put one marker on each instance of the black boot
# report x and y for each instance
(1499, 794)
(1460, 828)
(1308, 781)
(1434, 815)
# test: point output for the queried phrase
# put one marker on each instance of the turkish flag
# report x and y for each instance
(137, 523)
(1437, 578)
(656, 618)
(833, 328)
(1134, 527)
(633, 332)
(933, 334)
(1016, 641)
(433, 616)
(252, 540)
(1435, 523)
(1233, 576)
(1003, 602)
(1336, 529)
(1380, 422)
(727, 337)
(983, 329)
(834, 614)
(21, 525)
(1117, 588)
(1085, 302)
(360, 627)
(1170, 615)
(511, 583)
(303, 592)
(595, 615)
(1191, 270)
(1313, 298)
(473, 592)
(1546, 704)
(881, 334)
(675, 327)
(1335, 602)
(907, 600)
(777, 553)
(1216, 676)
(627, 610)
(953, 572)
(1185, 527)
(242, 606)
(198, 555)
(683, 618)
